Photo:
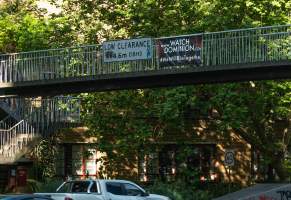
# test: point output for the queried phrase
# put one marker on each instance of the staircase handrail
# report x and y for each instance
(7, 100)
(13, 127)
(36, 114)
(22, 112)
(5, 123)
(12, 141)
(9, 115)
(39, 122)
(41, 118)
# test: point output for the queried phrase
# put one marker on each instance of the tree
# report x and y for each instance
(261, 118)
(24, 27)
(259, 112)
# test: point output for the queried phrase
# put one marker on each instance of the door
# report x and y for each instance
(125, 191)
(94, 193)
(86, 196)
(133, 192)
(115, 191)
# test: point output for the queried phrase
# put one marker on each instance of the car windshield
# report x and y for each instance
(81, 186)
(74, 186)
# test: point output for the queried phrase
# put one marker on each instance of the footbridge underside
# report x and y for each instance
(229, 56)
(152, 79)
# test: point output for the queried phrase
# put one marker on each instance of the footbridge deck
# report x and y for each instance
(228, 56)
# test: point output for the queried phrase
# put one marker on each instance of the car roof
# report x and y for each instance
(122, 180)
(101, 180)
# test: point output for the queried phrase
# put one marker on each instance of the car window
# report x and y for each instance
(94, 187)
(132, 190)
(114, 188)
(81, 186)
(65, 188)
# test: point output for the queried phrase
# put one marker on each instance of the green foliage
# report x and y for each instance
(258, 111)
(33, 185)
(23, 27)
(179, 190)
(33, 34)
(44, 155)
(287, 164)
(50, 185)
(220, 189)
(239, 106)
(20, 27)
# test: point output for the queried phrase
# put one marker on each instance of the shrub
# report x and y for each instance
(33, 185)
(220, 189)
(179, 191)
(50, 185)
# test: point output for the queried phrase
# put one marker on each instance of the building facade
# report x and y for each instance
(202, 156)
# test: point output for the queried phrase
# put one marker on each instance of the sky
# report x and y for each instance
(50, 8)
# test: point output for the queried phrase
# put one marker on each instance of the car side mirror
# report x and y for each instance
(145, 194)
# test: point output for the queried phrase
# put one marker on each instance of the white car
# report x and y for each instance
(102, 190)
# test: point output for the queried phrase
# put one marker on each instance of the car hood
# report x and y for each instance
(158, 197)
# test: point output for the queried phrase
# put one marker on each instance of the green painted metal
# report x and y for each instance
(33, 118)
(243, 46)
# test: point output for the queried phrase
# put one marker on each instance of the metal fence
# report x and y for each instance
(242, 46)
(247, 46)
(40, 118)
(16, 138)
(41, 110)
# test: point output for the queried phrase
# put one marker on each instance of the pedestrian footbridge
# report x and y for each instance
(237, 55)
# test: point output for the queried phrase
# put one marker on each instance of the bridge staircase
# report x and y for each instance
(30, 119)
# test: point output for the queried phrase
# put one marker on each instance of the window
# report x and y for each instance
(68, 159)
(80, 186)
(132, 190)
(60, 162)
(114, 188)
(94, 188)
(65, 188)
(148, 166)
(167, 162)
(90, 164)
(172, 160)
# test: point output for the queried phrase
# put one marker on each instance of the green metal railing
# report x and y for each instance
(42, 110)
(264, 44)
(40, 118)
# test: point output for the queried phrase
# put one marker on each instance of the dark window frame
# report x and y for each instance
(204, 165)
(125, 190)
(116, 183)
(97, 185)
(80, 182)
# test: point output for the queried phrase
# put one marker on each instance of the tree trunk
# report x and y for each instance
(275, 167)
(270, 173)
(281, 171)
